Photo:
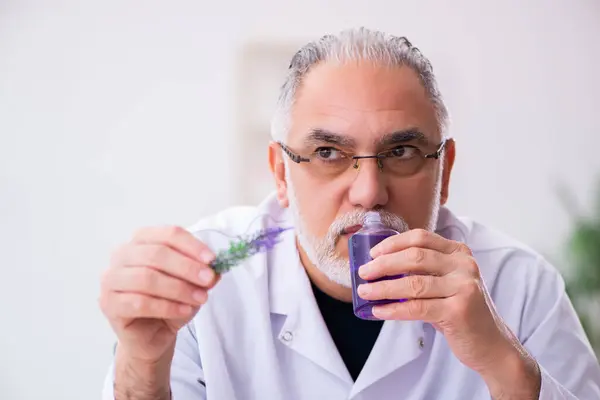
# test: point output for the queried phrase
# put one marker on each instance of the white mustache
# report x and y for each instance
(354, 218)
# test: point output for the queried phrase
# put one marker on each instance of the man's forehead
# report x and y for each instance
(355, 98)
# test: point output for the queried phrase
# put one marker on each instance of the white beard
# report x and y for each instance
(321, 251)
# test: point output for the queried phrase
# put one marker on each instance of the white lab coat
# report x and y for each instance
(261, 335)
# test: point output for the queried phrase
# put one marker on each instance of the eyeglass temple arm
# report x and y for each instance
(438, 152)
(293, 156)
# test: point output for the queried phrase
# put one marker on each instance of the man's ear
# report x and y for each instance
(277, 167)
(449, 156)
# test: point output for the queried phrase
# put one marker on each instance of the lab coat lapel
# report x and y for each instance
(304, 330)
(398, 343)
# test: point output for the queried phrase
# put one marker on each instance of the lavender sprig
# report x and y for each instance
(245, 247)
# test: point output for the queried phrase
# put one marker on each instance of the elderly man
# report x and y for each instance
(360, 127)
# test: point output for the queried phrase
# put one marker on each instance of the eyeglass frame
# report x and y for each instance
(379, 156)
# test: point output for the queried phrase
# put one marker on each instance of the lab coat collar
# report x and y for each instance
(284, 267)
(304, 329)
(305, 332)
(290, 294)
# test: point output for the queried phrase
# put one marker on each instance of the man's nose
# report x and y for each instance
(368, 189)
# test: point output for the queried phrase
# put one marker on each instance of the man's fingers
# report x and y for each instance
(135, 305)
(151, 282)
(412, 260)
(410, 287)
(418, 238)
(169, 261)
(427, 310)
(178, 239)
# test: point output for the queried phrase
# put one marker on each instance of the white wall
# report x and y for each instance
(118, 114)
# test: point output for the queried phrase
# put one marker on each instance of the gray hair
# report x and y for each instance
(355, 44)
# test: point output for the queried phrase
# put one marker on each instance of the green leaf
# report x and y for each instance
(584, 248)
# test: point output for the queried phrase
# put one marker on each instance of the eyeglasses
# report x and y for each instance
(402, 160)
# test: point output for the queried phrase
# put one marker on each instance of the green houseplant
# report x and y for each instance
(583, 259)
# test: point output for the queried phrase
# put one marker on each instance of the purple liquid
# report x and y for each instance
(359, 246)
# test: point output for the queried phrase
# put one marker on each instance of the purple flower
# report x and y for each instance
(267, 239)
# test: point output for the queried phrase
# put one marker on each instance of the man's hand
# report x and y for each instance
(155, 285)
(445, 288)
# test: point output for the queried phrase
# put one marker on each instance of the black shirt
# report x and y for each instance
(353, 337)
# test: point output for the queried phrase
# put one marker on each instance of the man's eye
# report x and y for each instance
(404, 152)
(328, 153)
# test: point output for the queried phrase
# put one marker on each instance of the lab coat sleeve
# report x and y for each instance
(187, 378)
(555, 337)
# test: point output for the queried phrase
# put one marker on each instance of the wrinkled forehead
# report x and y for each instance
(363, 103)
